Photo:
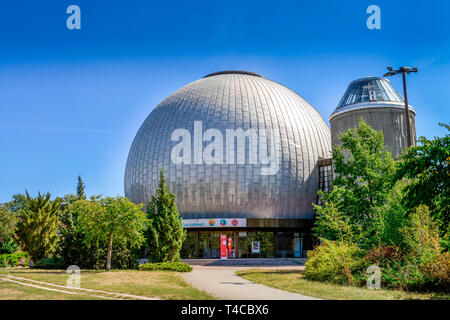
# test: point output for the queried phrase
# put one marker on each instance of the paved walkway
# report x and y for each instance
(223, 283)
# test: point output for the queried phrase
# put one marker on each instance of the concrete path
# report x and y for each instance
(223, 283)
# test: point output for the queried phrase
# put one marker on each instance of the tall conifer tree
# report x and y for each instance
(37, 232)
(81, 195)
(165, 234)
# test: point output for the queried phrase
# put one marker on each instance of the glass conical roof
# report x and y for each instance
(369, 89)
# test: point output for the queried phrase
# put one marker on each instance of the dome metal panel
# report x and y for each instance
(232, 100)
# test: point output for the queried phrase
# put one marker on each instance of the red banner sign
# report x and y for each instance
(223, 246)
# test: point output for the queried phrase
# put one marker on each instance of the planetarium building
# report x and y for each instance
(245, 157)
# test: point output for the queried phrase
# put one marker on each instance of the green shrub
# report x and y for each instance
(16, 257)
(406, 271)
(383, 254)
(437, 271)
(3, 263)
(9, 246)
(335, 262)
(394, 218)
(169, 266)
(395, 271)
(13, 259)
(50, 263)
(425, 251)
(402, 274)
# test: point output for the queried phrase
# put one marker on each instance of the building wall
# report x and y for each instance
(390, 120)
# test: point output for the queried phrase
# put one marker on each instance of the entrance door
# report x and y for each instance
(298, 247)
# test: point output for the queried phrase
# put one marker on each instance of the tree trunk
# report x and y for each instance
(347, 270)
(108, 257)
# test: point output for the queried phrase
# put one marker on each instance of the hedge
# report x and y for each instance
(50, 263)
(13, 259)
(169, 266)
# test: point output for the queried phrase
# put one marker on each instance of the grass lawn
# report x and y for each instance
(294, 281)
(13, 291)
(154, 284)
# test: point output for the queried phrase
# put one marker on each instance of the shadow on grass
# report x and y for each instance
(280, 271)
(300, 274)
(438, 296)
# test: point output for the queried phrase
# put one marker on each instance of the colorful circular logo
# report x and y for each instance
(223, 222)
(212, 222)
(234, 222)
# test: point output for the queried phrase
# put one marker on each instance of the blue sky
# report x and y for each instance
(71, 101)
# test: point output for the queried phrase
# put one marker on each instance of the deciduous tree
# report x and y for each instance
(364, 172)
(427, 167)
(111, 220)
(8, 221)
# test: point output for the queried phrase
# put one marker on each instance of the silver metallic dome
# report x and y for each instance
(226, 102)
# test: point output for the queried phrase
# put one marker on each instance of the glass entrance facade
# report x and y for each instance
(247, 244)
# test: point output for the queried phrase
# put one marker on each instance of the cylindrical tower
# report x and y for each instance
(380, 105)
